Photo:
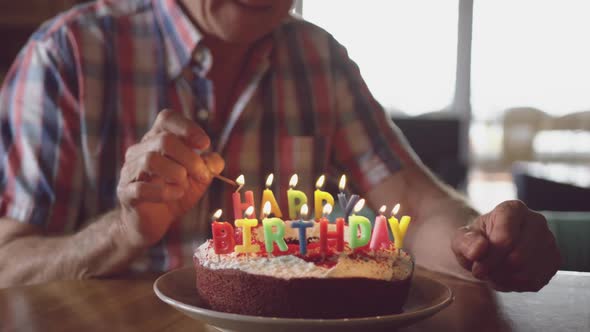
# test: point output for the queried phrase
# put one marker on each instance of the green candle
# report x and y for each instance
(356, 223)
(269, 236)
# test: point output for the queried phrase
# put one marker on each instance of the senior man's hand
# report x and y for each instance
(511, 247)
(163, 177)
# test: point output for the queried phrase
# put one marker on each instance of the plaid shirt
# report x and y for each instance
(90, 83)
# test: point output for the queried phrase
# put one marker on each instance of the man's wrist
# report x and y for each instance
(124, 237)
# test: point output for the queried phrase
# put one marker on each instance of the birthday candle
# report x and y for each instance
(301, 226)
(325, 234)
(268, 196)
(223, 235)
(355, 223)
(380, 237)
(269, 235)
(320, 197)
(347, 205)
(239, 207)
(247, 224)
(398, 229)
(295, 198)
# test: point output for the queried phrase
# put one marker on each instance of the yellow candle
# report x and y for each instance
(320, 197)
(268, 196)
(398, 229)
(403, 224)
(295, 198)
(247, 224)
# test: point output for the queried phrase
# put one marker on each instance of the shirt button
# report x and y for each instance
(203, 114)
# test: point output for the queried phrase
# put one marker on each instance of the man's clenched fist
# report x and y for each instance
(511, 247)
(163, 177)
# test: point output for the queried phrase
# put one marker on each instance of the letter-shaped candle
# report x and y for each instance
(223, 235)
(239, 207)
(380, 237)
(269, 235)
(295, 198)
(268, 196)
(325, 235)
(247, 224)
(347, 205)
(301, 226)
(355, 223)
(320, 197)
(398, 229)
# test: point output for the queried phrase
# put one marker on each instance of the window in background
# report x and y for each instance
(527, 56)
(406, 50)
(531, 53)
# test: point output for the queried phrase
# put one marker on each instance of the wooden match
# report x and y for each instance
(226, 180)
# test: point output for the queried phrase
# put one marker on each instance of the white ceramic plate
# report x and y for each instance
(177, 288)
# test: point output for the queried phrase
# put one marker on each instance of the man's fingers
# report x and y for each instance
(158, 165)
(524, 268)
(149, 192)
(172, 147)
(469, 246)
(177, 124)
(503, 225)
(503, 228)
(214, 162)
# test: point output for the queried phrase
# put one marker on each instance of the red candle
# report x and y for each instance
(325, 235)
(223, 235)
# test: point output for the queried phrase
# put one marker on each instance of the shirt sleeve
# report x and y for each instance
(367, 146)
(38, 127)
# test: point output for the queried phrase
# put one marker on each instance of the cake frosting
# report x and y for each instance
(383, 265)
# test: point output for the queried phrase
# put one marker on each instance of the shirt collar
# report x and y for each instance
(181, 36)
(182, 40)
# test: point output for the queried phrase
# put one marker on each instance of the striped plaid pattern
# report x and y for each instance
(90, 83)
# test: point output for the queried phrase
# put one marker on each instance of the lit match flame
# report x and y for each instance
(240, 181)
(342, 184)
(266, 209)
(320, 182)
(293, 181)
(249, 212)
(359, 206)
(217, 215)
(395, 209)
(382, 209)
(327, 209)
(304, 211)
(269, 180)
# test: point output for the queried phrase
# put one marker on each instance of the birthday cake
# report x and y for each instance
(341, 268)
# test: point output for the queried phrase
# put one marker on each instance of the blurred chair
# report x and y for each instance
(571, 230)
(552, 187)
(520, 125)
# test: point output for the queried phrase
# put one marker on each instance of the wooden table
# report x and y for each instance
(129, 304)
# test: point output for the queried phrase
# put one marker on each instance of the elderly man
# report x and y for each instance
(117, 115)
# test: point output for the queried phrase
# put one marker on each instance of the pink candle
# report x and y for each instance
(239, 206)
(380, 237)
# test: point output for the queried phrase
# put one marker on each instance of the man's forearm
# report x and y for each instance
(431, 236)
(97, 250)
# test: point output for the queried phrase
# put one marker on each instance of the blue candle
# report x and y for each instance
(347, 205)
(302, 225)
